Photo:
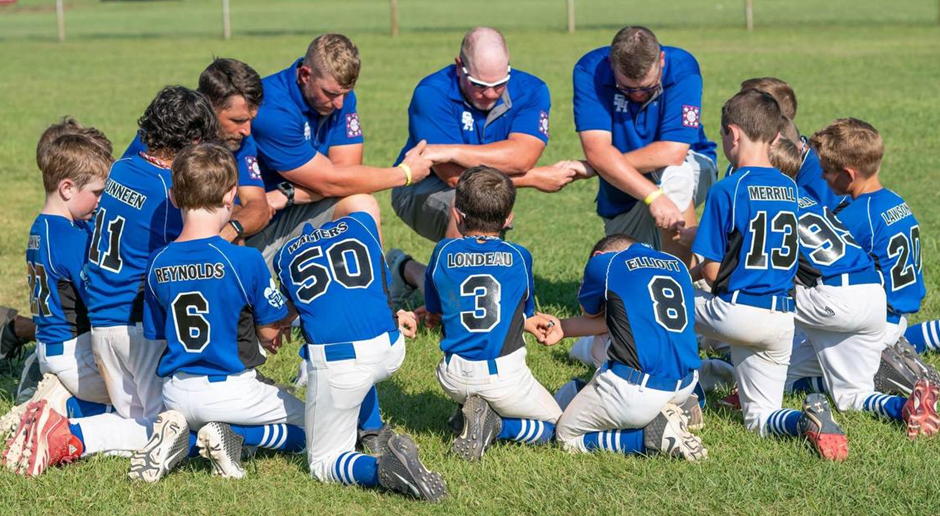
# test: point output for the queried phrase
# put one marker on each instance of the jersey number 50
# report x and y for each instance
(349, 264)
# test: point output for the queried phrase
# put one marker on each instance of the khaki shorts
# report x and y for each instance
(425, 207)
(289, 225)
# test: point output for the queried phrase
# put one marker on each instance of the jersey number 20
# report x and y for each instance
(349, 264)
(909, 260)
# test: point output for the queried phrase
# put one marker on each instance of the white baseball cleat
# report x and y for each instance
(49, 389)
(223, 447)
(167, 447)
(669, 434)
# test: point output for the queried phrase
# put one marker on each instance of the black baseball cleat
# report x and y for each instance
(915, 362)
(373, 442)
(401, 471)
(818, 427)
(894, 375)
(481, 426)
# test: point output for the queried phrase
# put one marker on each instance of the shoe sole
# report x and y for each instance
(829, 440)
(218, 443)
(471, 443)
(425, 484)
(18, 445)
(167, 447)
(44, 389)
(921, 408)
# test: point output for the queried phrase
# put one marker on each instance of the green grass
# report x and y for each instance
(838, 58)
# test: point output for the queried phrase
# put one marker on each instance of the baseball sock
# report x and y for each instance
(626, 441)
(784, 422)
(885, 405)
(281, 437)
(76, 408)
(369, 416)
(353, 468)
(700, 392)
(529, 431)
(808, 385)
(924, 336)
(193, 449)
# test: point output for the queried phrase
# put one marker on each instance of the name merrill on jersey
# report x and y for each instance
(892, 215)
(458, 260)
(806, 202)
(317, 235)
(192, 271)
(33, 242)
(646, 262)
(771, 193)
(130, 197)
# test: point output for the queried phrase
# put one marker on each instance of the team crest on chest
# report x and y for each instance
(467, 120)
(690, 116)
(620, 103)
(254, 171)
(543, 123)
(306, 130)
(353, 128)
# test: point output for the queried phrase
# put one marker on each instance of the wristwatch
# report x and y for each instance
(287, 188)
(237, 226)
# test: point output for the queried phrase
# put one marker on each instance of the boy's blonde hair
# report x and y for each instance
(849, 143)
(77, 157)
(776, 88)
(68, 125)
(202, 174)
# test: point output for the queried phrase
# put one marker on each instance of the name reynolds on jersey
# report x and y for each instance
(192, 271)
(645, 262)
(496, 259)
(892, 215)
(132, 198)
(317, 235)
(771, 193)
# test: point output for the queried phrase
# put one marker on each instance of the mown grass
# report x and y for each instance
(120, 54)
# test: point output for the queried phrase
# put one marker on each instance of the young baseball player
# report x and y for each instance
(135, 218)
(337, 279)
(482, 289)
(632, 404)
(212, 301)
(75, 167)
(748, 239)
(840, 309)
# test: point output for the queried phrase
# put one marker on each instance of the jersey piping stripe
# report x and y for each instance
(871, 227)
(49, 250)
(524, 267)
(152, 265)
(166, 212)
(367, 230)
(734, 204)
(235, 272)
(438, 262)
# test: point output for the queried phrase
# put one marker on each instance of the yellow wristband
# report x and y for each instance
(407, 170)
(652, 197)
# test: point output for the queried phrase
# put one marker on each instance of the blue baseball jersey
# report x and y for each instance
(289, 133)
(205, 297)
(249, 173)
(810, 178)
(134, 219)
(645, 293)
(337, 278)
(55, 257)
(484, 290)
(827, 248)
(439, 113)
(749, 226)
(884, 225)
(672, 116)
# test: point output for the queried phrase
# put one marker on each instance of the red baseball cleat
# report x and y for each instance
(920, 411)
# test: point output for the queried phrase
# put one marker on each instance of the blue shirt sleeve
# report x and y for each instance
(711, 240)
(135, 146)
(279, 136)
(154, 314)
(593, 293)
(347, 129)
(432, 300)
(366, 220)
(681, 120)
(249, 173)
(266, 300)
(590, 111)
(532, 117)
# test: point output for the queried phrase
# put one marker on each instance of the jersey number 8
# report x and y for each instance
(350, 265)
(668, 303)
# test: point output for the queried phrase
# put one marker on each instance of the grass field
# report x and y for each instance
(838, 57)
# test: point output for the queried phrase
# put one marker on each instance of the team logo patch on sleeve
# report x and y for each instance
(690, 116)
(273, 295)
(254, 171)
(543, 123)
(353, 128)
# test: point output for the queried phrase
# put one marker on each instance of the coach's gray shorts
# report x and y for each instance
(425, 207)
(683, 184)
(289, 225)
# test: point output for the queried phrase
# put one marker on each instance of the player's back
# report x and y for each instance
(134, 218)
(827, 248)
(484, 289)
(649, 307)
(205, 297)
(55, 256)
(884, 225)
(750, 226)
(337, 277)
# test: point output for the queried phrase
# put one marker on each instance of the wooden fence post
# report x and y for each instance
(749, 14)
(226, 21)
(393, 4)
(571, 16)
(60, 19)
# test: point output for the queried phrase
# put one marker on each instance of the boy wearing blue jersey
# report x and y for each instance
(840, 309)
(482, 290)
(212, 302)
(632, 405)
(337, 279)
(748, 239)
(135, 218)
(74, 169)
